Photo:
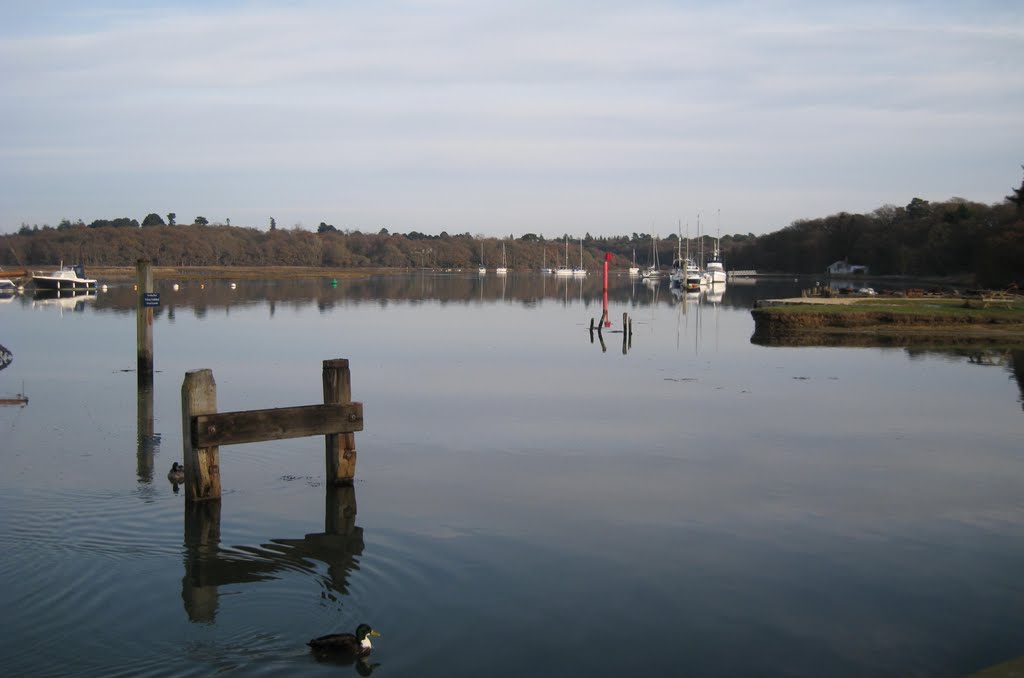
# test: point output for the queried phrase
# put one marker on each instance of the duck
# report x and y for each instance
(177, 474)
(346, 644)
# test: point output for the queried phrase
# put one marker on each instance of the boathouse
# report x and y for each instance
(845, 268)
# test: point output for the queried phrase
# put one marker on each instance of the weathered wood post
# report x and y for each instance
(340, 510)
(202, 464)
(340, 447)
(144, 323)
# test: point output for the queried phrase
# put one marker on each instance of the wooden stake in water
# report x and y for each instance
(144, 324)
(340, 447)
(202, 464)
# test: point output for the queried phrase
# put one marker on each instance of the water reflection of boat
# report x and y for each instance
(64, 278)
(65, 300)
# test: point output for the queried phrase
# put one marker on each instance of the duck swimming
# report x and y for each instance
(177, 474)
(346, 644)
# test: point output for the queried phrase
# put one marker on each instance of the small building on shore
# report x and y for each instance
(844, 268)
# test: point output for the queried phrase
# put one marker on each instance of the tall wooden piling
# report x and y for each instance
(340, 447)
(202, 464)
(144, 324)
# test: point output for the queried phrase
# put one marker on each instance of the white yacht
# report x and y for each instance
(565, 270)
(503, 269)
(580, 272)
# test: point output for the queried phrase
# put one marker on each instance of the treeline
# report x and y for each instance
(951, 238)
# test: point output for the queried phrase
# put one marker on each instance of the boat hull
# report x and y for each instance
(62, 284)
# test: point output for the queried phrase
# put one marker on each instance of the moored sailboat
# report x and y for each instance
(503, 269)
(580, 272)
(654, 269)
(565, 270)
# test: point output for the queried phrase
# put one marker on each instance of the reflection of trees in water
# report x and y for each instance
(525, 289)
(1016, 368)
(1011, 359)
(5, 357)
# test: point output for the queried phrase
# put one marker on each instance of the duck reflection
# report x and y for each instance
(208, 566)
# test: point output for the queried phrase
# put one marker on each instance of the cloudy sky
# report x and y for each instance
(501, 117)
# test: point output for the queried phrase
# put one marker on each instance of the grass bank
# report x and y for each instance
(891, 321)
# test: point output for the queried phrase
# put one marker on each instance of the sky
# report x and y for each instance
(505, 117)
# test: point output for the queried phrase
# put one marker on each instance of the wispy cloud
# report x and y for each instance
(639, 97)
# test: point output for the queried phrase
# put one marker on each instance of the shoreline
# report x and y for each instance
(236, 272)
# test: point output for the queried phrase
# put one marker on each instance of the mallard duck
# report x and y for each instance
(177, 474)
(346, 644)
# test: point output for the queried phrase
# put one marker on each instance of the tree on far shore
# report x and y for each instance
(1018, 196)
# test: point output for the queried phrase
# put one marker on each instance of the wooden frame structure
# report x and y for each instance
(204, 429)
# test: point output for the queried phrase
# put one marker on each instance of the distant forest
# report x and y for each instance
(954, 238)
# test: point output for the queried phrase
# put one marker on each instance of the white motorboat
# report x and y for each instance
(694, 278)
(714, 268)
(64, 278)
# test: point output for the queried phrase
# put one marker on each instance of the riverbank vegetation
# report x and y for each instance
(990, 320)
(953, 238)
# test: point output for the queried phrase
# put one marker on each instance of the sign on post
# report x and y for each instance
(150, 299)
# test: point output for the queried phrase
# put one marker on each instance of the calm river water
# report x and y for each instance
(528, 501)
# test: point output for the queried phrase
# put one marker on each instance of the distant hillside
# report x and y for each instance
(952, 238)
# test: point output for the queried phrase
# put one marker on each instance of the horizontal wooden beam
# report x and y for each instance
(234, 428)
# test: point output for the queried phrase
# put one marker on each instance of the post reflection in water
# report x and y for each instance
(208, 566)
(148, 441)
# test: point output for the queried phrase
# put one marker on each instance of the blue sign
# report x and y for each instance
(150, 299)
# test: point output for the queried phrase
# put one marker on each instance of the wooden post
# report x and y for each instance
(144, 324)
(202, 464)
(340, 447)
(340, 510)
